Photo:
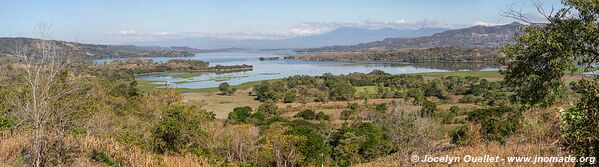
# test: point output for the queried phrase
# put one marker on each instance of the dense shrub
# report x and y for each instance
(580, 129)
(6, 122)
(381, 107)
(240, 114)
(497, 123)
(428, 109)
(179, 129)
(311, 115)
(269, 107)
(460, 136)
(359, 143)
(451, 114)
(226, 89)
(104, 158)
(346, 114)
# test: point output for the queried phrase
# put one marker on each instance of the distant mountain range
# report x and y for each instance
(340, 36)
(472, 37)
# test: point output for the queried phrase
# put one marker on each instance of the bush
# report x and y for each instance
(459, 137)
(311, 115)
(469, 99)
(346, 114)
(314, 148)
(497, 123)
(428, 109)
(451, 114)
(178, 130)
(240, 114)
(226, 89)
(417, 94)
(381, 107)
(289, 97)
(360, 143)
(269, 107)
(6, 123)
(353, 106)
(342, 91)
(104, 158)
(580, 129)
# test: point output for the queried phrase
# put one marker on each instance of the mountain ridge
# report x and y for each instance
(476, 36)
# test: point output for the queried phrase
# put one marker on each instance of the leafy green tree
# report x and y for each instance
(240, 114)
(370, 138)
(179, 129)
(539, 59)
(581, 128)
(342, 91)
(226, 89)
(314, 148)
(347, 153)
(498, 123)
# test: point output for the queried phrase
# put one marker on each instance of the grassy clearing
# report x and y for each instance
(152, 85)
(221, 105)
(366, 89)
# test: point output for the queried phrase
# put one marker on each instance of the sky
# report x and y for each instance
(122, 21)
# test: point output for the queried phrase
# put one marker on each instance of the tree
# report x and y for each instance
(540, 57)
(178, 130)
(41, 102)
(342, 91)
(240, 114)
(226, 89)
(580, 128)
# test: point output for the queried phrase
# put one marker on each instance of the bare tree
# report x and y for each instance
(517, 14)
(43, 64)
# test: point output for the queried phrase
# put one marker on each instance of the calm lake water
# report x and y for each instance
(281, 68)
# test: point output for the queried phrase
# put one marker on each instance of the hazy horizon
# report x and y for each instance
(122, 22)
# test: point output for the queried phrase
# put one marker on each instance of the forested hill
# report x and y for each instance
(8, 46)
(472, 37)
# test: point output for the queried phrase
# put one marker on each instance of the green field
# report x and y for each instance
(366, 89)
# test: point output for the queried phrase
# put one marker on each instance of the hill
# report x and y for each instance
(472, 37)
(9, 45)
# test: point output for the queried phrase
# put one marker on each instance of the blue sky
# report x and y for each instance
(118, 21)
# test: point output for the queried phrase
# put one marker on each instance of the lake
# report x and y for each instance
(281, 68)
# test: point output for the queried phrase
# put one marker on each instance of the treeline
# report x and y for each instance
(139, 66)
(442, 54)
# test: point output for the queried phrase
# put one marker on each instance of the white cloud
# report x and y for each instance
(483, 23)
(298, 30)
(126, 32)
